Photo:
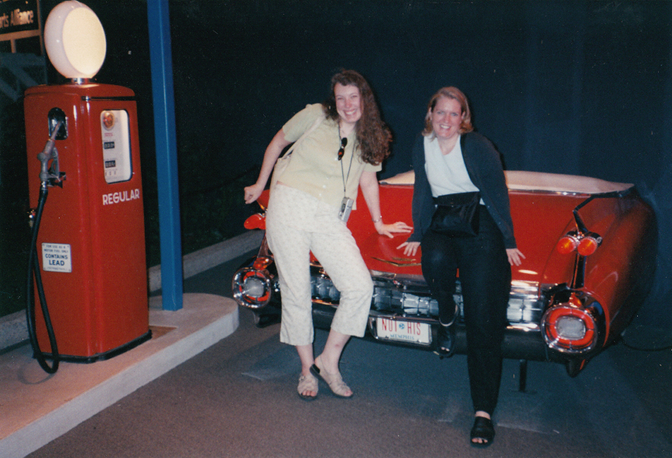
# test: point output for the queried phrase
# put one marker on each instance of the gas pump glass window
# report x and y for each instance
(114, 127)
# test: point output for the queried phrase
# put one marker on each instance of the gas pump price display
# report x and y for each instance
(116, 145)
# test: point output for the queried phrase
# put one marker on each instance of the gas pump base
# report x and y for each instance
(102, 356)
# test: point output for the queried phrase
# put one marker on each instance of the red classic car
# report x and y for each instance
(590, 248)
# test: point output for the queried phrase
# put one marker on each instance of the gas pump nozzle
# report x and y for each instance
(51, 176)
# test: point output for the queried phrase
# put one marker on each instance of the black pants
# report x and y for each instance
(485, 276)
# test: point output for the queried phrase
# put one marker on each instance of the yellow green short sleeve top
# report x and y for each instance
(314, 167)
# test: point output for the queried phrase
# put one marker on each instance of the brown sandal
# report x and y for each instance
(334, 380)
(307, 383)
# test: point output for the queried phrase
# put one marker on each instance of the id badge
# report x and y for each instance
(346, 208)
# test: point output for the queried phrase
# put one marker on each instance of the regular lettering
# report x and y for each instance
(122, 196)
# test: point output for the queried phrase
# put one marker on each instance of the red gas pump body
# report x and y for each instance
(91, 243)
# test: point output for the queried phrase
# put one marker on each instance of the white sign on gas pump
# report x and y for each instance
(56, 257)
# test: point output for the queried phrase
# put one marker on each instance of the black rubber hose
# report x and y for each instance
(34, 268)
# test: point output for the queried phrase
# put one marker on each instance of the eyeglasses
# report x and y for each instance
(341, 151)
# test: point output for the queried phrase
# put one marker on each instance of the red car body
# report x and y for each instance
(589, 245)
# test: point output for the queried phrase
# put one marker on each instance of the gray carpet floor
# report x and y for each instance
(238, 399)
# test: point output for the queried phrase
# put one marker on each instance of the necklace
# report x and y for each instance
(341, 152)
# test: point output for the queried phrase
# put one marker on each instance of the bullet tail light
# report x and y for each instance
(589, 244)
(570, 329)
(584, 244)
(256, 221)
(252, 288)
(567, 244)
(262, 263)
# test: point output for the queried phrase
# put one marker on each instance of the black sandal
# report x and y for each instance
(484, 431)
(445, 341)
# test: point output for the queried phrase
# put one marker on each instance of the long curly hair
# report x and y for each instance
(373, 135)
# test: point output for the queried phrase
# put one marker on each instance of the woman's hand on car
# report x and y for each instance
(390, 229)
(410, 248)
(515, 256)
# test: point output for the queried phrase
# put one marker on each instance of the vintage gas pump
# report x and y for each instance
(90, 249)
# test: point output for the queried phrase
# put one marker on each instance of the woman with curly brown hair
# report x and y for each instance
(340, 145)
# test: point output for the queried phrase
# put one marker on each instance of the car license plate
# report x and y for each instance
(403, 331)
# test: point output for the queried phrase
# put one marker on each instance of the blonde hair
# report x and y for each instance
(450, 93)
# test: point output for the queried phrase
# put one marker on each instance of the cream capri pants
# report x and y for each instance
(296, 224)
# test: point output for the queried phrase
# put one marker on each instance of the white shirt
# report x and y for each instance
(446, 173)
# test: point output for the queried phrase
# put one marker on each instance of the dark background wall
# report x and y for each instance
(578, 87)
(559, 86)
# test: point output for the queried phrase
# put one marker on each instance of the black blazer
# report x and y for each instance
(485, 170)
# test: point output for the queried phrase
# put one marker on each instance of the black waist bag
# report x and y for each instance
(457, 214)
